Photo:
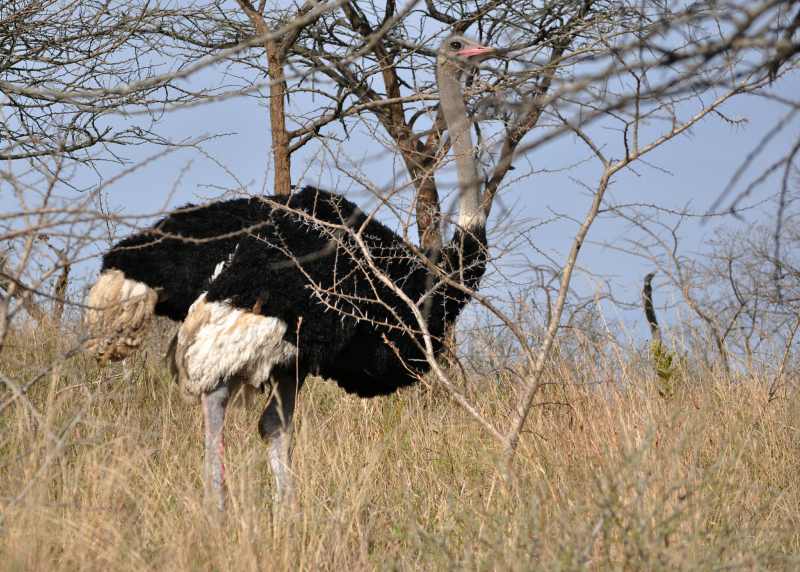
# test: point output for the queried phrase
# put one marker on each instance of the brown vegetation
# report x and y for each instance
(607, 476)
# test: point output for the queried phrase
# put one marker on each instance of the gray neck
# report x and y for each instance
(451, 97)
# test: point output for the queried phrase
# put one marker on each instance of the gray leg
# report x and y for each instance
(275, 427)
(214, 403)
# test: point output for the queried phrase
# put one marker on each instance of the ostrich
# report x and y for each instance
(271, 291)
(302, 295)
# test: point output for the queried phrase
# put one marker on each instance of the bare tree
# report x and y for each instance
(623, 78)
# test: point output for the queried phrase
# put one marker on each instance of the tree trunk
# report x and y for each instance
(276, 53)
(427, 207)
(277, 118)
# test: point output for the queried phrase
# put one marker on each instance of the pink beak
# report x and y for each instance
(473, 51)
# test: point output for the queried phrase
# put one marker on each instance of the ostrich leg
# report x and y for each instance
(214, 403)
(275, 427)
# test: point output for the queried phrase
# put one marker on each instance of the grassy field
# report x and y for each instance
(104, 472)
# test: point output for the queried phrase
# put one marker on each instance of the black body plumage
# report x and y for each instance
(297, 259)
(306, 268)
(178, 254)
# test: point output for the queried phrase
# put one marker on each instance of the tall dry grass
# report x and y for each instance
(104, 473)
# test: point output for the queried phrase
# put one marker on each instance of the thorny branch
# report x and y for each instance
(82, 81)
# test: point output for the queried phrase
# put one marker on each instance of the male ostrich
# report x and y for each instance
(299, 294)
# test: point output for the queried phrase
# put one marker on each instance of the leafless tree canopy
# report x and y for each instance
(81, 81)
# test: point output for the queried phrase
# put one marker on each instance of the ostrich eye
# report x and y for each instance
(455, 45)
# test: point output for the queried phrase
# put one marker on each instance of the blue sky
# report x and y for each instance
(690, 170)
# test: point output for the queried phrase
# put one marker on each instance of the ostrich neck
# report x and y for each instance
(470, 211)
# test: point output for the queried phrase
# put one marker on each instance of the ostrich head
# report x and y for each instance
(457, 51)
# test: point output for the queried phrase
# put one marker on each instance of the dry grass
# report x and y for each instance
(606, 478)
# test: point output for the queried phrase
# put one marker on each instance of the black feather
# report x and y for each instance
(306, 268)
(179, 253)
(296, 259)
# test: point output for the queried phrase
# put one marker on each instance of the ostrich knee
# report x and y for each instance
(275, 427)
(214, 403)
